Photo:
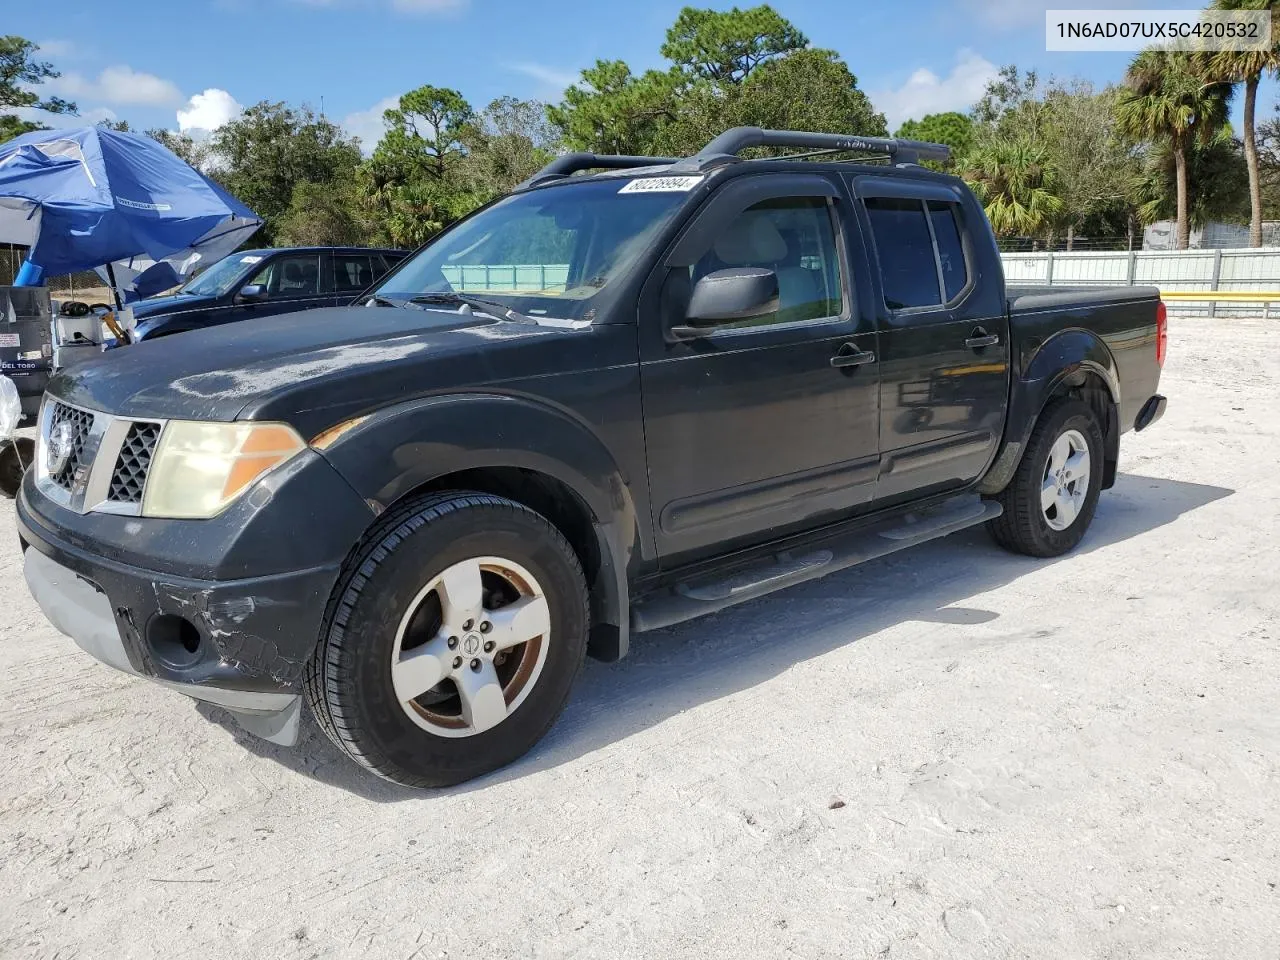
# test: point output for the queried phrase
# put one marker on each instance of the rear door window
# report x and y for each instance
(904, 244)
(351, 273)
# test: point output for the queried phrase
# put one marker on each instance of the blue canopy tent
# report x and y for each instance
(93, 198)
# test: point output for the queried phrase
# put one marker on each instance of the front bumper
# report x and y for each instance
(240, 642)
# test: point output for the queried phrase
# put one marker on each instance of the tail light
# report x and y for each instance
(1162, 332)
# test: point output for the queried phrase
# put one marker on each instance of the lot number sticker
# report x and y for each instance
(662, 185)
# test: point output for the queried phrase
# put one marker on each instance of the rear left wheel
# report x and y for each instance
(457, 634)
(1049, 503)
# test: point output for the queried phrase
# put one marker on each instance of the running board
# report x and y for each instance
(701, 596)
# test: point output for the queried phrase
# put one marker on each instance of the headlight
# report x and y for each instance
(199, 468)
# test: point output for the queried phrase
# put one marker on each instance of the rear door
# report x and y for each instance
(944, 350)
(756, 429)
(352, 274)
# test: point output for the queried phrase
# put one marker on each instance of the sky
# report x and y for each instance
(352, 58)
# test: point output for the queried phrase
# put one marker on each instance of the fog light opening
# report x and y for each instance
(174, 640)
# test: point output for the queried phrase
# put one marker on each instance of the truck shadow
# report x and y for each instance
(669, 671)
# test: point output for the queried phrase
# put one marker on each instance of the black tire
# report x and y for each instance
(1023, 528)
(15, 456)
(348, 682)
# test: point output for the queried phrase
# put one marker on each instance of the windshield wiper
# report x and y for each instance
(490, 307)
(380, 301)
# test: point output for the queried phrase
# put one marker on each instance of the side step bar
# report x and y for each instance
(698, 597)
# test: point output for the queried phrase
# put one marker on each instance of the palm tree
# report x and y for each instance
(1247, 67)
(1016, 184)
(1166, 99)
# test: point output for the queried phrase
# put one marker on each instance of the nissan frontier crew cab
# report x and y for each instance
(633, 392)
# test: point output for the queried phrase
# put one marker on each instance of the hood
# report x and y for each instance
(296, 367)
(155, 306)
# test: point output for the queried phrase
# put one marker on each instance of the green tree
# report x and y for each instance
(611, 110)
(414, 185)
(426, 128)
(1016, 185)
(953, 129)
(1247, 67)
(508, 142)
(19, 72)
(1166, 100)
(193, 152)
(323, 215)
(1217, 182)
(805, 90)
(725, 46)
(1008, 94)
(727, 68)
(262, 156)
(1095, 164)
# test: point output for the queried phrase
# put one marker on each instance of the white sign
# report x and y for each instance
(661, 185)
(250, 259)
(10, 340)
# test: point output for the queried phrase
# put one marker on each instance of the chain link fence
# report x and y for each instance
(86, 286)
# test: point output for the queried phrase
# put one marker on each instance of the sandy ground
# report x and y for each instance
(953, 752)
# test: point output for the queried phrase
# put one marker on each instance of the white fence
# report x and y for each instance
(1224, 271)
(529, 276)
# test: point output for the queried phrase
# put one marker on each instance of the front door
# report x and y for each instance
(293, 281)
(767, 425)
(944, 343)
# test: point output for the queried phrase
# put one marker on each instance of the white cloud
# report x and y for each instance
(56, 48)
(118, 84)
(62, 121)
(124, 85)
(549, 76)
(925, 92)
(367, 125)
(208, 111)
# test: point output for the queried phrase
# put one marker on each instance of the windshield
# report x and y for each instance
(545, 253)
(220, 277)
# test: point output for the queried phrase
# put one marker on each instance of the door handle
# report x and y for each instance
(851, 356)
(980, 338)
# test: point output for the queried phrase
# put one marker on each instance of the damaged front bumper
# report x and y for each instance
(242, 644)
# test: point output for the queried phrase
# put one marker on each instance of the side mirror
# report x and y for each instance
(252, 293)
(739, 293)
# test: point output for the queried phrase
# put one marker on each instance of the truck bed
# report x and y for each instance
(1122, 317)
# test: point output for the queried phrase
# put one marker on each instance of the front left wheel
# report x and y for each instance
(456, 634)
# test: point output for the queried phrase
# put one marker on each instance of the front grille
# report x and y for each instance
(81, 423)
(130, 474)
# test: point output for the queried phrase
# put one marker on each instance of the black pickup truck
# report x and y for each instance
(633, 392)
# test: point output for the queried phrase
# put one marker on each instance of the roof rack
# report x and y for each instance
(730, 143)
(573, 162)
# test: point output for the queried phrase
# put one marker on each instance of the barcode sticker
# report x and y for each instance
(661, 185)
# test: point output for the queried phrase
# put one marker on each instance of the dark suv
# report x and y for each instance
(260, 283)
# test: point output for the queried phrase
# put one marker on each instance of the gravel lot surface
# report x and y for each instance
(952, 752)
